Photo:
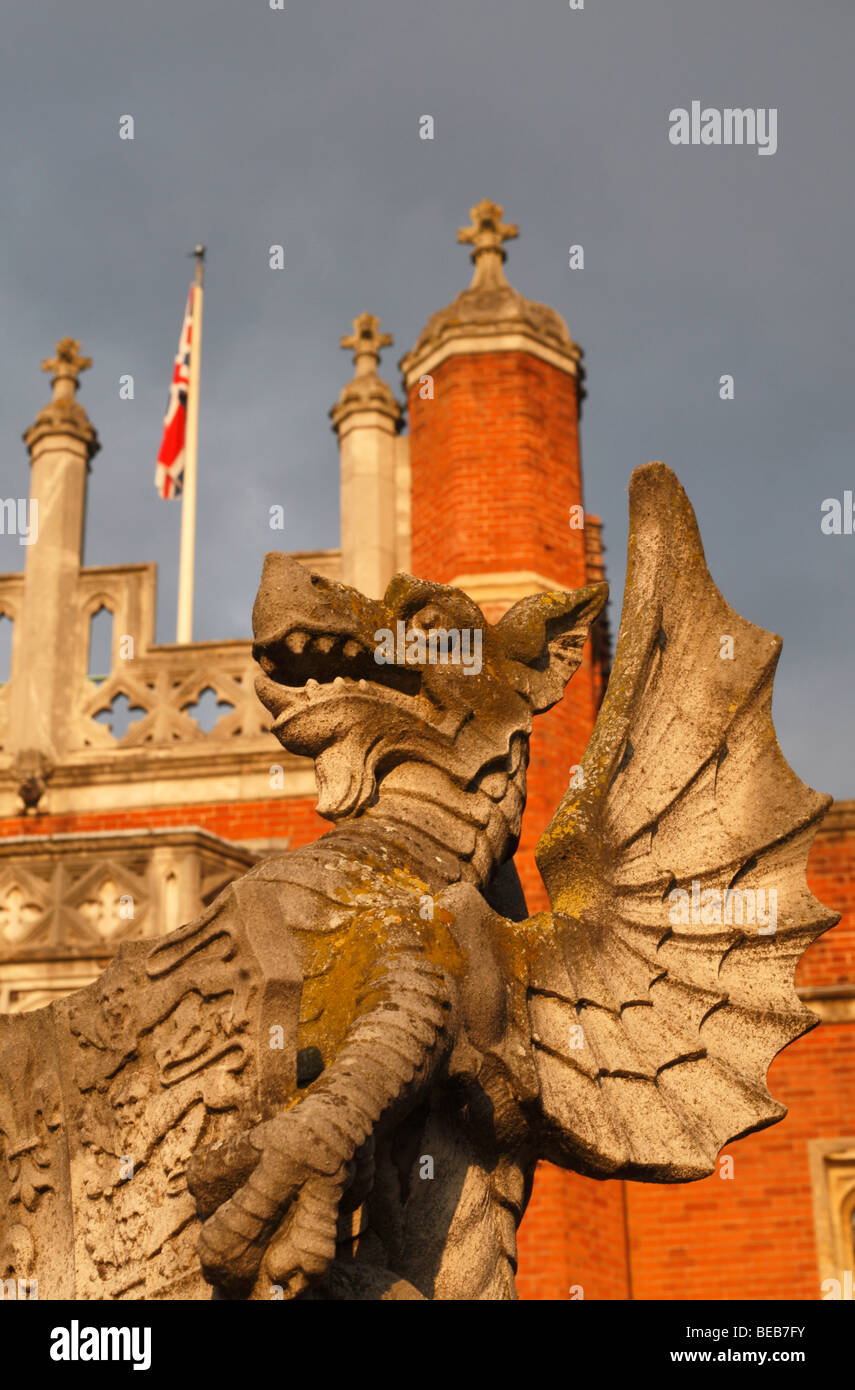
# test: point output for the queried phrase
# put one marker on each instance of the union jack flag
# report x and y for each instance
(169, 473)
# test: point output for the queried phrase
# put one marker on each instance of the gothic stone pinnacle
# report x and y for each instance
(64, 414)
(366, 391)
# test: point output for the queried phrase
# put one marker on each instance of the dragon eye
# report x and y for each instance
(426, 618)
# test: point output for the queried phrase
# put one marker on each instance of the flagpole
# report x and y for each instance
(191, 442)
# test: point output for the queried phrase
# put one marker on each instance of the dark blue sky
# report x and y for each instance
(301, 127)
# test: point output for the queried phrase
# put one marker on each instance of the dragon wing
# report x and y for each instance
(654, 1014)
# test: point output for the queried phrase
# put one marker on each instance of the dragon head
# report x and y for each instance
(361, 685)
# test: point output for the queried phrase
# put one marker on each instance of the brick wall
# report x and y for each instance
(831, 877)
(559, 739)
(293, 819)
(495, 470)
(751, 1236)
(572, 1241)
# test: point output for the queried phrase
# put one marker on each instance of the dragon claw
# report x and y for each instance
(281, 1202)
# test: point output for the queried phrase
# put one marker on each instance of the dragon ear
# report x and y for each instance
(546, 634)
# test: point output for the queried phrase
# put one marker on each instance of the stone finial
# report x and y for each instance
(486, 235)
(365, 343)
(490, 311)
(66, 366)
(63, 414)
(366, 391)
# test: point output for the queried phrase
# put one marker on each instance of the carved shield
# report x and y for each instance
(104, 1096)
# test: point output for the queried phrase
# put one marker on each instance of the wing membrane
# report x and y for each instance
(676, 874)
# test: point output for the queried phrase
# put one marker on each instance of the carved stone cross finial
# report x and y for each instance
(63, 414)
(486, 235)
(66, 366)
(365, 391)
(365, 342)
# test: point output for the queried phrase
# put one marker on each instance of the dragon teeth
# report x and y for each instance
(351, 649)
(312, 686)
(296, 641)
(325, 644)
(339, 683)
(363, 685)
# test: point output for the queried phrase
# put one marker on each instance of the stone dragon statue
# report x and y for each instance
(446, 1040)
(336, 1081)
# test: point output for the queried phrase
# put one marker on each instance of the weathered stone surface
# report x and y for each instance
(490, 307)
(433, 1048)
(105, 1094)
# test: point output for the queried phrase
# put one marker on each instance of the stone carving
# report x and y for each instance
(19, 914)
(336, 1081)
(64, 413)
(487, 231)
(104, 909)
(33, 771)
(67, 902)
(33, 1164)
(166, 695)
(29, 1114)
(168, 1050)
(490, 306)
(366, 391)
(68, 363)
(162, 685)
